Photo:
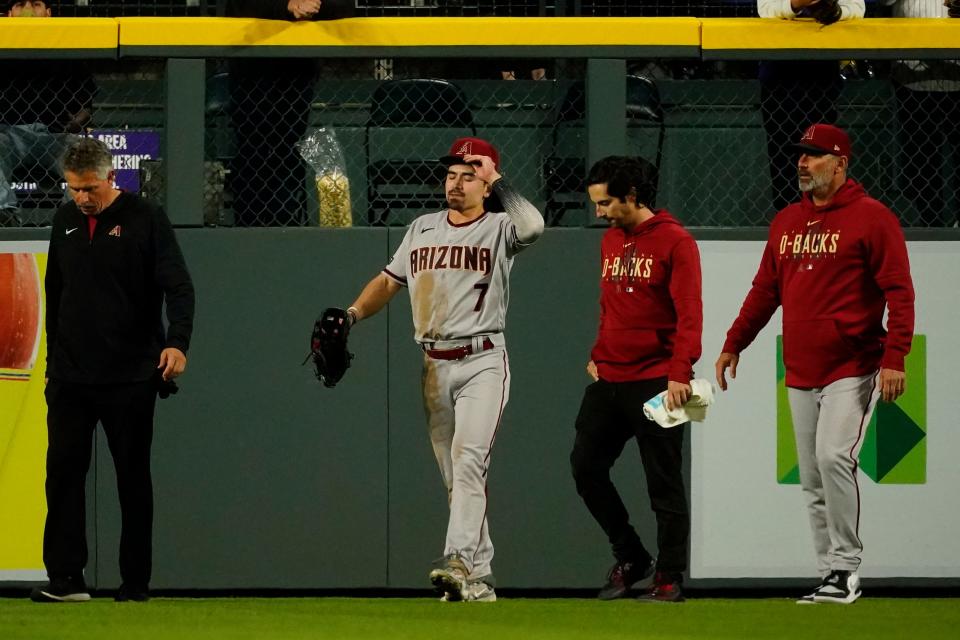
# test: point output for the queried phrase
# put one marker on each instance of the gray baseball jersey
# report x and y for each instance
(457, 275)
(458, 280)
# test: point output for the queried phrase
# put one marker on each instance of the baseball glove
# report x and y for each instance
(824, 11)
(328, 346)
(953, 8)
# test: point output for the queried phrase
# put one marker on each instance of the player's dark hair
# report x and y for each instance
(87, 154)
(623, 174)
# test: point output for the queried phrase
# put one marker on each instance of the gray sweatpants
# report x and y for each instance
(830, 424)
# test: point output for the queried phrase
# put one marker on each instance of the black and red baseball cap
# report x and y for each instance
(470, 146)
(821, 139)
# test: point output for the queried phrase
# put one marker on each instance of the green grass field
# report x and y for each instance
(527, 619)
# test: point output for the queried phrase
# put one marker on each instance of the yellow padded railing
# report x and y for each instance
(474, 34)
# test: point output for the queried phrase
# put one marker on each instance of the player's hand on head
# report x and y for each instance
(726, 360)
(677, 394)
(485, 168)
(173, 362)
(892, 384)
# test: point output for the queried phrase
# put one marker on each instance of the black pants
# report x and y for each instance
(611, 413)
(928, 128)
(126, 412)
(788, 107)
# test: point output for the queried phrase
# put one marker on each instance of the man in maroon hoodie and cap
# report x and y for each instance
(651, 319)
(834, 260)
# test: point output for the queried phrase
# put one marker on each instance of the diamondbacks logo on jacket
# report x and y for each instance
(805, 243)
(115, 232)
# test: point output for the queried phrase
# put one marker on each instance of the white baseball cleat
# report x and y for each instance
(475, 592)
(451, 579)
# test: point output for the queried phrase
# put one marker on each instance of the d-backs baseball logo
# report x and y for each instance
(628, 267)
(810, 134)
(809, 243)
(895, 446)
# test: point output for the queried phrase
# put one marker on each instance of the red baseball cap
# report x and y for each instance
(820, 139)
(470, 147)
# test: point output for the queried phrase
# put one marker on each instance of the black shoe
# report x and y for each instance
(840, 587)
(624, 575)
(666, 588)
(61, 590)
(132, 593)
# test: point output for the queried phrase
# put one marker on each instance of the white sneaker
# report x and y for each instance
(840, 587)
(480, 591)
(451, 579)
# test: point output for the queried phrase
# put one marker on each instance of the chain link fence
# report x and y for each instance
(102, 9)
(719, 131)
(44, 104)
(722, 142)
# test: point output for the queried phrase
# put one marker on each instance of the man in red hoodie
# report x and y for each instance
(651, 318)
(834, 260)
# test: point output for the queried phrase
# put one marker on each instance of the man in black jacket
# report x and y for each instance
(113, 262)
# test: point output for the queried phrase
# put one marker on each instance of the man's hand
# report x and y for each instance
(892, 384)
(304, 9)
(592, 371)
(173, 362)
(485, 168)
(726, 360)
(677, 394)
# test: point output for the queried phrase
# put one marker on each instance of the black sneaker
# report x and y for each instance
(665, 588)
(809, 598)
(61, 590)
(132, 593)
(840, 587)
(623, 575)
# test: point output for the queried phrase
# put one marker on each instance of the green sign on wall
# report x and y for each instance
(895, 447)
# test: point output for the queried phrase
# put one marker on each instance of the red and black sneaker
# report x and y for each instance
(666, 588)
(624, 575)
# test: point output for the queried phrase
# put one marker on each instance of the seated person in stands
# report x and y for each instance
(43, 104)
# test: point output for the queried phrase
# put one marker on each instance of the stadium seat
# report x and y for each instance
(401, 114)
(564, 175)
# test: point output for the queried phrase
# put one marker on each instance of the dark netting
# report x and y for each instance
(99, 8)
(354, 141)
(44, 104)
(699, 8)
(512, 8)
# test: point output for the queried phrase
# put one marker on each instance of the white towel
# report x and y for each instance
(695, 409)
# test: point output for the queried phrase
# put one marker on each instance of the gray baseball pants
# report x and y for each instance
(830, 424)
(464, 402)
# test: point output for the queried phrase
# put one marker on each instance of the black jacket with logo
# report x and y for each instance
(105, 294)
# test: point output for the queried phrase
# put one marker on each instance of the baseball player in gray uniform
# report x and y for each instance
(456, 266)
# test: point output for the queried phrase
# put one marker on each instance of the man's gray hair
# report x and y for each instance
(87, 154)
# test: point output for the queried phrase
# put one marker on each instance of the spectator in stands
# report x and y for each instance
(795, 94)
(43, 103)
(534, 71)
(928, 109)
(270, 107)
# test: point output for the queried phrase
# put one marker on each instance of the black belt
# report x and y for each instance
(458, 353)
